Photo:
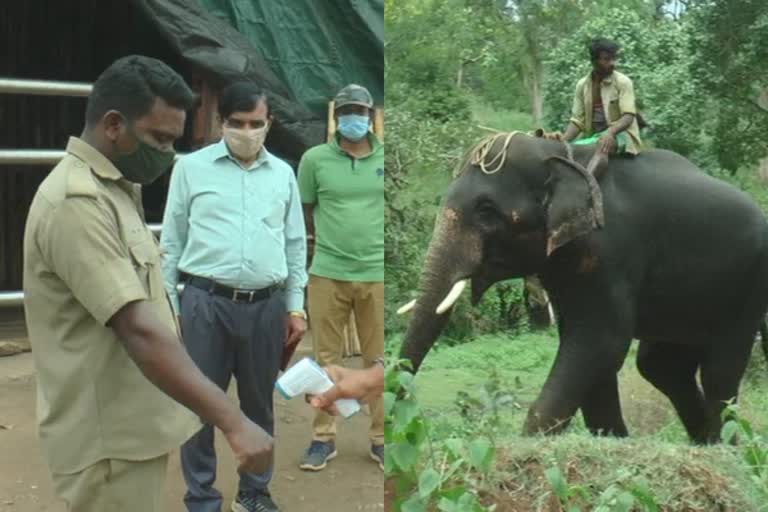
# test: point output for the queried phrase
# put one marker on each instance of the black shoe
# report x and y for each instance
(260, 502)
(377, 454)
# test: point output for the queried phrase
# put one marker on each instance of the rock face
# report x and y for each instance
(13, 347)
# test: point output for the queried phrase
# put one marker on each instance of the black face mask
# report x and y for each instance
(145, 164)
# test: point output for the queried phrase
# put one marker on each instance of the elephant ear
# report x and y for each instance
(574, 202)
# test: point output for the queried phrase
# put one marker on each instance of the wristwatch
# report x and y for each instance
(379, 360)
(298, 314)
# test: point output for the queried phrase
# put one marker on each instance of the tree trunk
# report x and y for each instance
(460, 75)
(537, 101)
(535, 71)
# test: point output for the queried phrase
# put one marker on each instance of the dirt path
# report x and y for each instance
(352, 482)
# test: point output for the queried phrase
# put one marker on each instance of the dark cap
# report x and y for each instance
(353, 94)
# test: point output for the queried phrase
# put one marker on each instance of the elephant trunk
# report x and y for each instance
(452, 256)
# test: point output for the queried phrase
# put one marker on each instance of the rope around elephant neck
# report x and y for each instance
(480, 152)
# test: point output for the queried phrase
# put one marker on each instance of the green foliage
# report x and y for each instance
(482, 389)
(421, 485)
(730, 47)
(623, 495)
(493, 115)
(754, 447)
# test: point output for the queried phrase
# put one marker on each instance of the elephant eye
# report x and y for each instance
(487, 211)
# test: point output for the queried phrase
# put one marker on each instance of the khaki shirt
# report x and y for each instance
(618, 96)
(87, 253)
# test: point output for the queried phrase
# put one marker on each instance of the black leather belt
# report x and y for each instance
(234, 294)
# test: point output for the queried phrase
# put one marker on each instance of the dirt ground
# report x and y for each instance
(352, 482)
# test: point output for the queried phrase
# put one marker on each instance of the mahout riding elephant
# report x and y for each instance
(654, 249)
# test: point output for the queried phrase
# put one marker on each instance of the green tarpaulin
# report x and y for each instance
(314, 46)
(300, 51)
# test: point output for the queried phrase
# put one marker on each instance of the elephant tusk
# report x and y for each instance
(452, 297)
(406, 307)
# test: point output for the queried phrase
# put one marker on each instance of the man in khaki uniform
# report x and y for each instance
(604, 110)
(113, 378)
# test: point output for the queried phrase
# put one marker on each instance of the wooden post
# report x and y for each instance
(331, 122)
(205, 127)
(378, 123)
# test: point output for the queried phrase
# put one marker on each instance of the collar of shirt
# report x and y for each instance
(221, 150)
(100, 164)
(376, 145)
(608, 80)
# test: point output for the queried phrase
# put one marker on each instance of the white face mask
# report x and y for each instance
(245, 144)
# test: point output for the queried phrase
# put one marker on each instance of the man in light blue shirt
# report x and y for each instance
(233, 231)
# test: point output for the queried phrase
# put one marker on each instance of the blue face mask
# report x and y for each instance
(353, 127)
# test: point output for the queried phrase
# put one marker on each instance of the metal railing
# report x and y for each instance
(44, 87)
(31, 156)
(11, 299)
(38, 156)
(39, 88)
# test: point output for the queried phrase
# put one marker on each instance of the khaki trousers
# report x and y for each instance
(330, 304)
(114, 485)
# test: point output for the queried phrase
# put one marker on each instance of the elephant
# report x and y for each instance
(653, 250)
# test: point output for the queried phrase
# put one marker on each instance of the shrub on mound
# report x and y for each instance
(575, 472)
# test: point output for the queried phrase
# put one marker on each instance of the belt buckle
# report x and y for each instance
(236, 294)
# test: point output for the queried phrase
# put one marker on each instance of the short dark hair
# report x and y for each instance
(241, 97)
(131, 85)
(602, 45)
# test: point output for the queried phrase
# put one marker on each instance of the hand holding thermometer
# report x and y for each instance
(306, 377)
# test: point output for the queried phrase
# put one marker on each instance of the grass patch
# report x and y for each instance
(521, 365)
(481, 390)
(595, 472)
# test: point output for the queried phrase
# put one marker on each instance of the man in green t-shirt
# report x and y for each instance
(342, 190)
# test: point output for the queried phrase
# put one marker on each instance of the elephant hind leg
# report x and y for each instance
(671, 368)
(721, 373)
(602, 408)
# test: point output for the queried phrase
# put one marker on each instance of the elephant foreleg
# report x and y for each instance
(602, 409)
(575, 375)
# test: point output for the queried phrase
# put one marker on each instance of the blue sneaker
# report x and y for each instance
(317, 455)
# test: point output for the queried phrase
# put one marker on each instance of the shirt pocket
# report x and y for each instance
(612, 109)
(274, 215)
(145, 256)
